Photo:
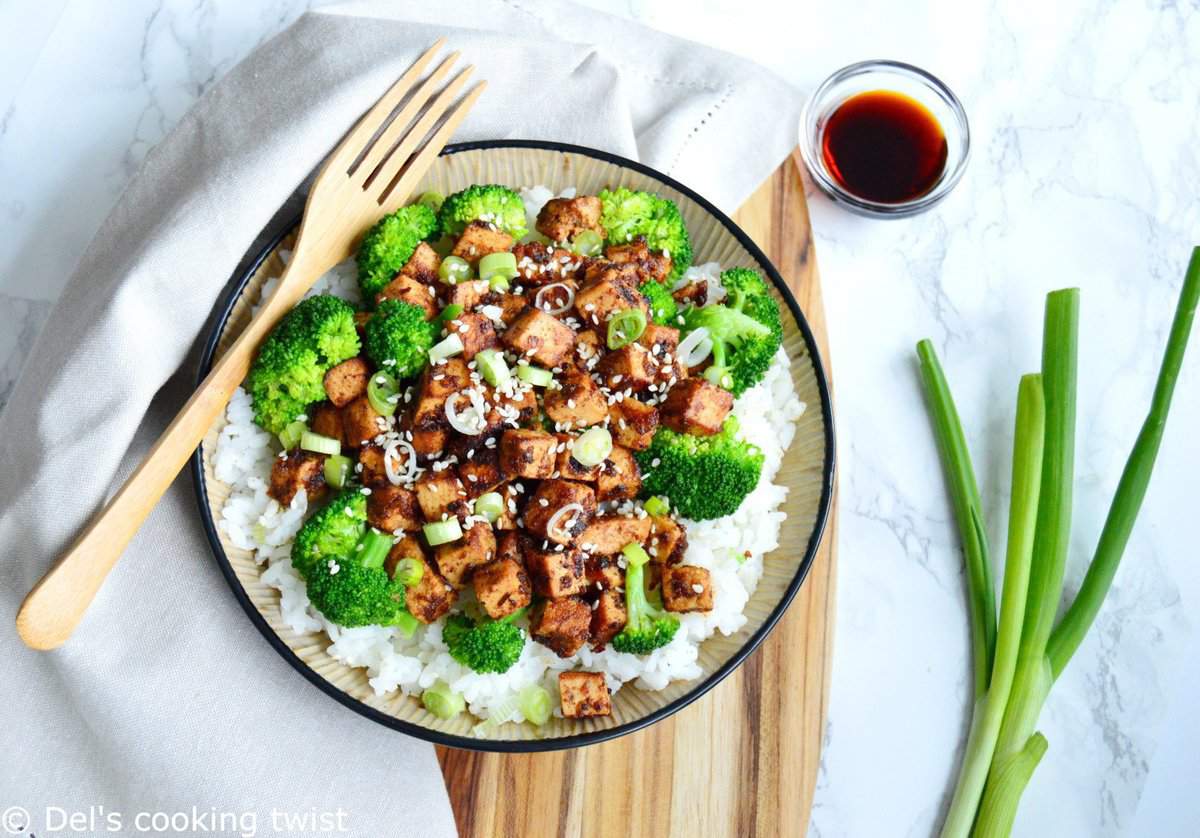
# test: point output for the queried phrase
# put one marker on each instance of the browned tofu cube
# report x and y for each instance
(432, 596)
(668, 541)
(429, 442)
(692, 294)
(423, 264)
(346, 381)
(607, 534)
(458, 559)
(526, 453)
(441, 493)
(568, 467)
(628, 368)
(520, 407)
(620, 478)
(686, 588)
(554, 573)
(560, 510)
(371, 470)
(608, 618)
(502, 586)
(589, 346)
(584, 695)
(633, 423)
(508, 546)
(577, 402)
(394, 509)
(440, 381)
(562, 218)
(538, 264)
(481, 472)
(326, 420)
(654, 265)
(665, 338)
(696, 407)
(561, 625)
(511, 307)
(540, 338)
(476, 333)
(360, 423)
(608, 289)
(468, 293)
(603, 573)
(479, 239)
(413, 291)
(298, 470)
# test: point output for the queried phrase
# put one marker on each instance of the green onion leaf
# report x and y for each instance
(447, 348)
(454, 269)
(502, 266)
(625, 327)
(311, 441)
(382, 389)
(443, 702)
(289, 437)
(442, 532)
(448, 313)
(490, 505)
(658, 506)
(536, 376)
(587, 243)
(492, 367)
(337, 470)
(535, 704)
(408, 572)
(592, 447)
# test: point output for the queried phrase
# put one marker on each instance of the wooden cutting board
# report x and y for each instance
(741, 761)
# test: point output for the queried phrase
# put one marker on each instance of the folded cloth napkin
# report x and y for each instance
(166, 700)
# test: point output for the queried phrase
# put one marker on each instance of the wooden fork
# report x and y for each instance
(372, 172)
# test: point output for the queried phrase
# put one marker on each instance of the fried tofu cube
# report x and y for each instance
(607, 534)
(360, 423)
(468, 293)
(479, 239)
(371, 470)
(668, 541)
(686, 588)
(508, 517)
(568, 467)
(588, 346)
(577, 401)
(502, 586)
(538, 264)
(441, 493)
(608, 618)
(561, 219)
(511, 307)
(554, 573)
(561, 625)
(551, 498)
(423, 264)
(521, 407)
(607, 290)
(458, 559)
(584, 695)
(603, 573)
(633, 423)
(527, 453)
(409, 290)
(665, 338)
(429, 442)
(481, 472)
(442, 380)
(298, 470)
(476, 333)
(326, 420)
(628, 368)
(394, 509)
(696, 407)
(654, 265)
(508, 546)
(432, 597)
(541, 338)
(619, 478)
(346, 381)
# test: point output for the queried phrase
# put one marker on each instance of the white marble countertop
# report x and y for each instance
(1085, 171)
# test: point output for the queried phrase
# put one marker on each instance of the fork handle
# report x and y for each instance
(54, 607)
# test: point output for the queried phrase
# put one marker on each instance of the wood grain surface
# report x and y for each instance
(742, 760)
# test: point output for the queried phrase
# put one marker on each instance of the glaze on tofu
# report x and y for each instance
(584, 695)
(696, 407)
(561, 625)
(686, 588)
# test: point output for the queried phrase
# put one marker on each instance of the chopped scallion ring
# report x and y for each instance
(454, 269)
(381, 390)
(658, 506)
(337, 470)
(289, 437)
(449, 313)
(535, 704)
(443, 702)
(592, 447)
(634, 554)
(492, 367)
(536, 376)
(490, 505)
(587, 243)
(375, 547)
(310, 441)
(408, 572)
(497, 268)
(442, 532)
(625, 327)
(448, 348)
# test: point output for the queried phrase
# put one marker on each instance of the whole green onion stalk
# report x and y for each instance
(1016, 665)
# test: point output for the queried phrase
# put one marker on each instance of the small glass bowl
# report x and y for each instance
(900, 78)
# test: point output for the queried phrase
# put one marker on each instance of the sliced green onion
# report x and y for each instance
(634, 554)
(408, 572)
(310, 441)
(498, 283)
(625, 327)
(381, 392)
(503, 264)
(535, 704)
(442, 532)
(443, 702)
(375, 546)
(536, 376)
(587, 243)
(432, 199)
(448, 348)
(449, 313)
(289, 437)
(490, 505)
(454, 269)
(592, 447)
(658, 506)
(407, 623)
(492, 367)
(337, 470)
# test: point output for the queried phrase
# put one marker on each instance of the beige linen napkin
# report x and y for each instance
(167, 700)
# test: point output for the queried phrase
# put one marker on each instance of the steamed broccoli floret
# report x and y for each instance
(489, 646)
(705, 477)
(746, 333)
(663, 307)
(289, 373)
(646, 628)
(497, 205)
(333, 530)
(627, 214)
(389, 244)
(398, 331)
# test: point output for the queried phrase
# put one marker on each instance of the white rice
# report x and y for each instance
(254, 521)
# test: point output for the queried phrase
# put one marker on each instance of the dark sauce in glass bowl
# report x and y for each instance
(884, 146)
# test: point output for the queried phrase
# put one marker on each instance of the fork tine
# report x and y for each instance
(382, 146)
(391, 167)
(354, 143)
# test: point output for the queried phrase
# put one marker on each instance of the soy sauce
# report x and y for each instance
(884, 146)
